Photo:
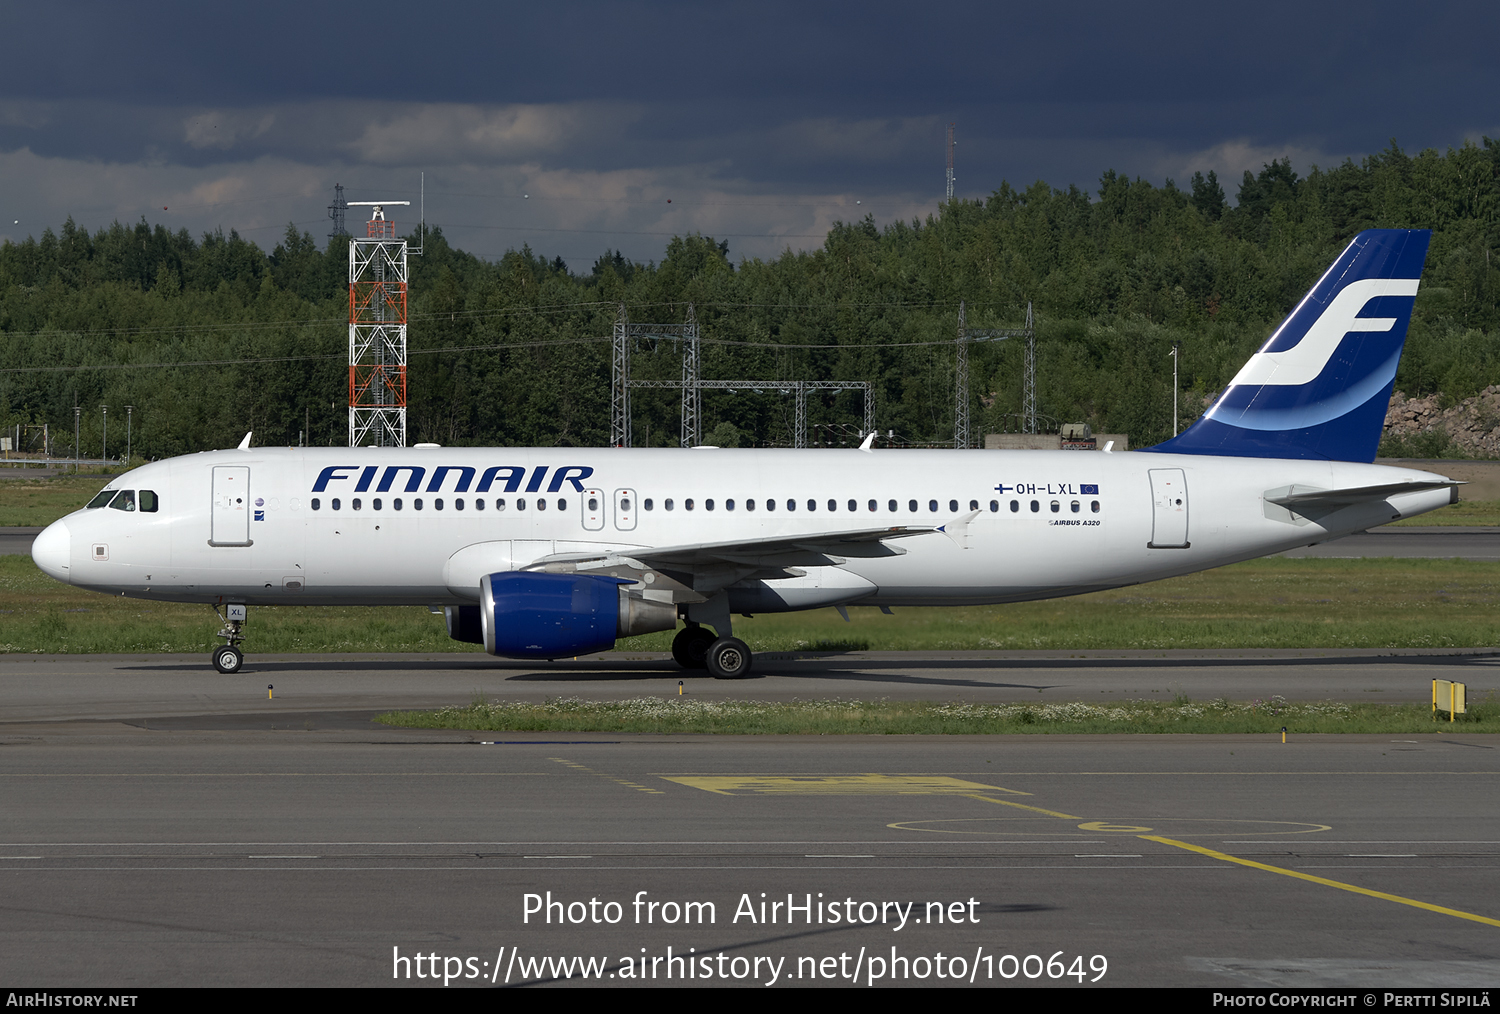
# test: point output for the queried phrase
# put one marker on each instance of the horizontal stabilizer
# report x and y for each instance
(1303, 500)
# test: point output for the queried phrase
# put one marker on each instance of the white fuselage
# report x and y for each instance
(273, 548)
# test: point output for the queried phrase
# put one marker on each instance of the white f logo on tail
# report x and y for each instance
(1303, 362)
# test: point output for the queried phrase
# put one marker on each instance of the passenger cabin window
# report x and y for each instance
(1035, 506)
(872, 506)
(932, 506)
(833, 505)
(667, 503)
(729, 505)
(336, 503)
(1015, 505)
(791, 505)
(911, 505)
(124, 502)
(650, 504)
(854, 506)
(318, 504)
(973, 505)
(396, 503)
(1094, 506)
(358, 503)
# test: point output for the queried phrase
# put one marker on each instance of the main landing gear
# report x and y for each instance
(727, 658)
(228, 658)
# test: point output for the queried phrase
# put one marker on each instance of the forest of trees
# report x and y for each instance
(208, 338)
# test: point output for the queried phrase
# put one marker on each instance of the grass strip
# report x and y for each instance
(1464, 514)
(37, 502)
(841, 717)
(1271, 603)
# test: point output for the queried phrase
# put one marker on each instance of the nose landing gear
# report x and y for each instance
(228, 658)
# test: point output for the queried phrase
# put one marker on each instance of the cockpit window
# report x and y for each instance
(148, 502)
(101, 498)
(124, 502)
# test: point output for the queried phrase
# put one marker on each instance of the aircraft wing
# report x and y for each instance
(809, 550)
(697, 571)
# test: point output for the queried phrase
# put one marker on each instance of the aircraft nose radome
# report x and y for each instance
(52, 550)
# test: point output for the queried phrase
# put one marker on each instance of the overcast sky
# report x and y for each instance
(571, 126)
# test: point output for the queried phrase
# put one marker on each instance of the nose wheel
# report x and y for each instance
(228, 659)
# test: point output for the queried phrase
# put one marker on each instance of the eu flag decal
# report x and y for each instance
(1088, 489)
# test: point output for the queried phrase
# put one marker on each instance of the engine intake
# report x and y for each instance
(524, 614)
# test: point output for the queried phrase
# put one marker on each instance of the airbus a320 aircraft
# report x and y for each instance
(548, 553)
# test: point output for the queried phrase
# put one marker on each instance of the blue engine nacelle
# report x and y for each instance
(533, 615)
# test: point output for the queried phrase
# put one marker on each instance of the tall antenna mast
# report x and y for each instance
(950, 162)
(377, 332)
(336, 212)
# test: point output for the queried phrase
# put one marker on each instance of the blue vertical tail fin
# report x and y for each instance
(1320, 386)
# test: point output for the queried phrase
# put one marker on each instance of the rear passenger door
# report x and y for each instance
(1169, 511)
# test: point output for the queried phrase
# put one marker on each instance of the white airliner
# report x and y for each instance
(556, 552)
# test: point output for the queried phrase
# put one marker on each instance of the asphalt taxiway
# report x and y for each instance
(164, 825)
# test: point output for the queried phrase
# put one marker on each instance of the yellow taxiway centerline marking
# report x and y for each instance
(1226, 857)
(838, 785)
(1023, 806)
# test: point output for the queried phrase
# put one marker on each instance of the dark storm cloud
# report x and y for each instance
(584, 104)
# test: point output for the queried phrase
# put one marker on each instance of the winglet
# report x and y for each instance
(245, 444)
(869, 442)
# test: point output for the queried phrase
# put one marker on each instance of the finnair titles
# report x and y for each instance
(547, 553)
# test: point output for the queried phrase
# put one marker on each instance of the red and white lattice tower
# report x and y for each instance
(377, 332)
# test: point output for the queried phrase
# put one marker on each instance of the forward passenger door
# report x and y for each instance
(231, 507)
